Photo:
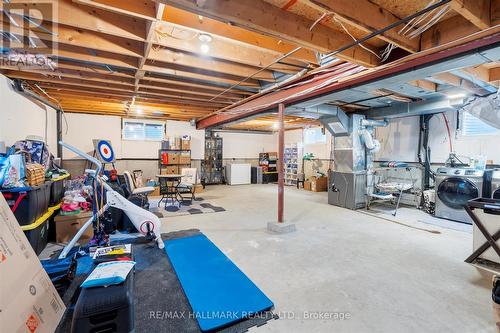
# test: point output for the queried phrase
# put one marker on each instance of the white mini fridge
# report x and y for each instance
(238, 173)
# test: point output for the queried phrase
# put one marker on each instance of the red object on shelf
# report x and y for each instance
(164, 158)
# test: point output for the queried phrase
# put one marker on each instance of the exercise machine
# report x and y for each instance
(145, 222)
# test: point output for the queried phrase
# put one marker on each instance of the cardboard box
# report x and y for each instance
(156, 192)
(28, 300)
(170, 170)
(67, 226)
(319, 184)
(173, 158)
(198, 188)
(185, 160)
(307, 185)
(186, 144)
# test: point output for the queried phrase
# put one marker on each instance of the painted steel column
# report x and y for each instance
(281, 162)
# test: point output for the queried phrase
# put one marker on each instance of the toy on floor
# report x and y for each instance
(145, 222)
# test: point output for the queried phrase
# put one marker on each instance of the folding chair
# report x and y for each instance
(188, 182)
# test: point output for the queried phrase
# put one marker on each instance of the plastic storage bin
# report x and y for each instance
(28, 203)
(37, 234)
(57, 190)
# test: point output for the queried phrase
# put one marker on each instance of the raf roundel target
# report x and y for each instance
(104, 151)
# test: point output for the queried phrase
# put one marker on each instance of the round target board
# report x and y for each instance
(105, 151)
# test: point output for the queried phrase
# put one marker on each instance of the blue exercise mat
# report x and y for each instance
(219, 292)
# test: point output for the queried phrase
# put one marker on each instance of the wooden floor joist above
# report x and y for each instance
(191, 58)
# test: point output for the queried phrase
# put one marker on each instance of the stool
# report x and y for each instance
(105, 309)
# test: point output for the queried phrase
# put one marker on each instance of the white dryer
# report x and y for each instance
(454, 187)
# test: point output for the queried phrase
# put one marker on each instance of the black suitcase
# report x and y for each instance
(105, 309)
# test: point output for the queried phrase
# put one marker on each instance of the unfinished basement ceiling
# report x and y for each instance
(148, 59)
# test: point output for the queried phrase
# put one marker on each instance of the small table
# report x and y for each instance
(169, 188)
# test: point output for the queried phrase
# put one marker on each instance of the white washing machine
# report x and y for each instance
(495, 184)
(454, 187)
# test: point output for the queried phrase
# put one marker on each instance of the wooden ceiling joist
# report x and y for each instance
(204, 63)
(223, 49)
(262, 17)
(475, 11)
(144, 9)
(369, 17)
(83, 38)
(203, 75)
(194, 83)
(181, 89)
(233, 33)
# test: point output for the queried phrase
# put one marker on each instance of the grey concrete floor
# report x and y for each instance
(381, 276)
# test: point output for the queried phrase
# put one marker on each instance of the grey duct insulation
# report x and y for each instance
(485, 108)
(19, 87)
(373, 145)
(285, 81)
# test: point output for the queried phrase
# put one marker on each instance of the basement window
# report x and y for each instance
(143, 130)
(473, 126)
(314, 135)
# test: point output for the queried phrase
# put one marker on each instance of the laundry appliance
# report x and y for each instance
(454, 188)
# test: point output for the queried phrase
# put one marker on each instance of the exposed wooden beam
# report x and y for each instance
(369, 17)
(62, 88)
(424, 84)
(189, 85)
(82, 38)
(187, 19)
(90, 18)
(262, 17)
(458, 82)
(161, 90)
(180, 88)
(475, 11)
(495, 12)
(205, 63)
(144, 9)
(224, 49)
(193, 97)
(494, 74)
(446, 31)
(75, 74)
(202, 75)
(95, 56)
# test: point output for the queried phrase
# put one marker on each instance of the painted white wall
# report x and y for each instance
(20, 117)
(178, 128)
(320, 150)
(243, 145)
(400, 139)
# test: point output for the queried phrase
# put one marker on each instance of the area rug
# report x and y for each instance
(186, 207)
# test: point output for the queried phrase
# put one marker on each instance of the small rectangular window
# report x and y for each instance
(143, 130)
(472, 126)
(314, 135)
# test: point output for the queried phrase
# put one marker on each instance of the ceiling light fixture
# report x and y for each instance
(204, 48)
(205, 39)
(276, 126)
(138, 110)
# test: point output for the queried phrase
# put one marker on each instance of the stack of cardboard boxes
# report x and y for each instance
(316, 184)
(178, 155)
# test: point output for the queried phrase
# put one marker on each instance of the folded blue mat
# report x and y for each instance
(217, 290)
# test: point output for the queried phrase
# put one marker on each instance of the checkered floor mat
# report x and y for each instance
(187, 207)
